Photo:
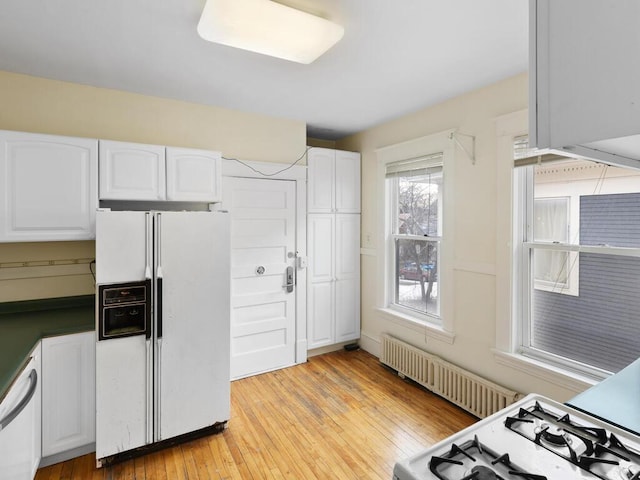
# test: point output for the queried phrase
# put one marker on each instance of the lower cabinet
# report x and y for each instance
(68, 395)
(20, 424)
(333, 282)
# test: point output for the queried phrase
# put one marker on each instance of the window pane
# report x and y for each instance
(599, 327)
(551, 267)
(611, 219)
(584, 306)
(418, 210)
(551, 224)
(551, 220)
(416, 276)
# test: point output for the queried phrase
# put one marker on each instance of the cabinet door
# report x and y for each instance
(193, 175)
(347, 284)
(49, 186)
(347, 182)
(132, 171)
(347, 309)
(320, 279)
(320, 314)
(321, 185)
(584, 85)
(320, 234)
(68, 392)
(20, 439)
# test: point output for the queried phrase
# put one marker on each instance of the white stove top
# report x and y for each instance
(534, 439)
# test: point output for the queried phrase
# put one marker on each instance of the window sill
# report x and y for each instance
(550, 373)
(430, 330)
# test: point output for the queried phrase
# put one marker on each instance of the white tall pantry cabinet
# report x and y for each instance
(333, 233)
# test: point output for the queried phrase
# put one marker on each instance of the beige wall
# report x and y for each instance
(318, 142)
(38, 105)
(475, 228)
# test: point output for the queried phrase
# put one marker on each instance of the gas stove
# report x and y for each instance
(533, 439)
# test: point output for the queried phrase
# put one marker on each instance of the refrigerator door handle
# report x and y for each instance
(159, 304)
(147, 246)
(148, 315)
(149, 417)
(159, 275)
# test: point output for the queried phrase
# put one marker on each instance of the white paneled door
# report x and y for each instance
(263, 292)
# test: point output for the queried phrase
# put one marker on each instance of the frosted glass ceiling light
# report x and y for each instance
(269, 28)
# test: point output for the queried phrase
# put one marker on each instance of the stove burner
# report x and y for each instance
(454, 465)
(482, 473)
(553, 435)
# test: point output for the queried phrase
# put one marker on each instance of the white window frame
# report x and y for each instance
(440, 143)
(570, 262)
(511, 330)
(392, 223)
(508, 329)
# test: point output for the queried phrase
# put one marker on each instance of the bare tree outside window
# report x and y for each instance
(417, 239)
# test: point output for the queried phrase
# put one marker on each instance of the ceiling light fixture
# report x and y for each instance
(269, 28)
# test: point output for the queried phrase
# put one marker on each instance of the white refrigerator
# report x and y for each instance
(172, 378)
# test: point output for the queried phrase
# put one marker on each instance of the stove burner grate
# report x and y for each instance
(591, 448)
(472, 451)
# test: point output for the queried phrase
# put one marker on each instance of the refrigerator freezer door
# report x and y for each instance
(193, 367)
(122, 406)
(123, 365)
(122, 250)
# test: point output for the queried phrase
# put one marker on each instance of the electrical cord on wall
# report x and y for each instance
(274, 173)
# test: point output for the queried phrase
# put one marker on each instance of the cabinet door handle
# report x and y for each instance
(33, 382)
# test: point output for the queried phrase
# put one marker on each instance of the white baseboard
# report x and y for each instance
(370, 344)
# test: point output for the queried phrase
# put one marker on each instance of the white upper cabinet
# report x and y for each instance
(584, 77)
(131, 171)
(193, 175)
(347, 182)
(334, 181)
(49, 187)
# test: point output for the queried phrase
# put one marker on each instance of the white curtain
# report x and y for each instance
(551, 225)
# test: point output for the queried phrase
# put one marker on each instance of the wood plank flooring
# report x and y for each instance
(341, 415)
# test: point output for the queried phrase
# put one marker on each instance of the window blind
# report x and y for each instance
(415, 167)
(524, 155)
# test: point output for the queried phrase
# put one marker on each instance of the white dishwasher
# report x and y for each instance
(20, 437)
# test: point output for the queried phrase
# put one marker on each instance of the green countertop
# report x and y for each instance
(22, 324)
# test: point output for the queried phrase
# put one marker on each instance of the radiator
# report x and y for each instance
(470, 392)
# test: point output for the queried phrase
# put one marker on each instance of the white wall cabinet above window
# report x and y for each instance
(334, 181)
(584, 77)
(49, 187)
(132, 171)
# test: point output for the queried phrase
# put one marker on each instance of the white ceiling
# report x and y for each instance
(396, 57)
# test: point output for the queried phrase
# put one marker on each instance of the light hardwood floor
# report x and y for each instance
(339, 416)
